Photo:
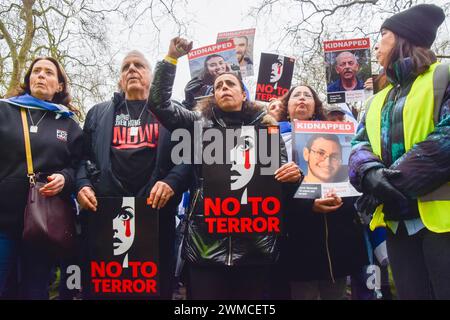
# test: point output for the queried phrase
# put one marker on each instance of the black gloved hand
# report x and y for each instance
(190, 91)
(366, 205)
(376, 182)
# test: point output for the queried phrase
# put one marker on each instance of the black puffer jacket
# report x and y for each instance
(201, 247)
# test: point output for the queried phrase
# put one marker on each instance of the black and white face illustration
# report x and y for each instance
(124, 227)
(277, 69)
(243, 159)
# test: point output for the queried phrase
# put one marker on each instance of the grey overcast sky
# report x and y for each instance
(206, 18)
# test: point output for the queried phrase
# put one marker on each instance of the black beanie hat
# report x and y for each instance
(418, 24)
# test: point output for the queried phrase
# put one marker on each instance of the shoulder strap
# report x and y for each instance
(26, 136)
(440, 83)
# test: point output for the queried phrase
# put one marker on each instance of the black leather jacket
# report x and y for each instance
(201, 247)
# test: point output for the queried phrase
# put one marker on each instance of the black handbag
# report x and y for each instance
(49, 222)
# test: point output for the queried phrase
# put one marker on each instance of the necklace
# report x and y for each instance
(134, 129)
(34, 127)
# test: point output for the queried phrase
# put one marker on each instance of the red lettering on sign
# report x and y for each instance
(229, 206)
(243, 225)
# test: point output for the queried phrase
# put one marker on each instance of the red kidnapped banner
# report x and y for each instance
(233, 34)
(341, 45)
(324, 127)
(208, 50)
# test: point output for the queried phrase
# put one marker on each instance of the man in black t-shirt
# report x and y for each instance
(127, 154)
(133, 142)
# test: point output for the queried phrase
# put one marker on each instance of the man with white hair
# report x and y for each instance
(128, 155)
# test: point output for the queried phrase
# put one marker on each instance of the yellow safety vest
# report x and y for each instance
(420, 114)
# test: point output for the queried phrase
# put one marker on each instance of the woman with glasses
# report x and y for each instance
(324, 243)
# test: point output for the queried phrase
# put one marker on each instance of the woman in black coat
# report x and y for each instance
(325, 241)
(56, 146)
(221, 266)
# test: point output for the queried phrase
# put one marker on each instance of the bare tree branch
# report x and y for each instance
(308, 23)
(77, 33)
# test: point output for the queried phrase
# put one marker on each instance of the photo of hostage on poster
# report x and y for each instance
(243, 41)
(274, 77)
(123, 249)
(321, 149)
(348, 70)
(234, 200)
(206, 63)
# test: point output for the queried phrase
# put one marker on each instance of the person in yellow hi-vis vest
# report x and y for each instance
(400, 159)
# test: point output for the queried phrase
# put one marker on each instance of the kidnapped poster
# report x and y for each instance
(322, 149)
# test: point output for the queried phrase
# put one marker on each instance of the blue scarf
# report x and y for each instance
(30, 102)
(285, 126)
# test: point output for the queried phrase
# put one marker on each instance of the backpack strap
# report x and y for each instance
(440, 83)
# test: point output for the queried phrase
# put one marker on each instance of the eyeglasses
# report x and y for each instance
(322, 156)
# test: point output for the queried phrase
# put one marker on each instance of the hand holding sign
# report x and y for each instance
(86, 198)
(160, 195)
(368, 84)
(179, 47)
(289, 172)
(327, 205)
